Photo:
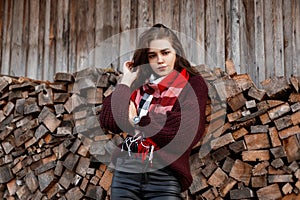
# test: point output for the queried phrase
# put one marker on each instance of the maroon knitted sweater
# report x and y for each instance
(175, 133)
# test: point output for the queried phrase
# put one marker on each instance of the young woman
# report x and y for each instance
(160, 103)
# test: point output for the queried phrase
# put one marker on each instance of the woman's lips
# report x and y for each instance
(162, 67)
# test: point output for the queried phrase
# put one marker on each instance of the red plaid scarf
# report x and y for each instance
(165, 94)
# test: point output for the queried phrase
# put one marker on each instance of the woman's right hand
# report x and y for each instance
(128, 76)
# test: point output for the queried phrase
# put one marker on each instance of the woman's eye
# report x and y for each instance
(151, 56)
(165, 53)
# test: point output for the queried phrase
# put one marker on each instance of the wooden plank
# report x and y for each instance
(59, 65)
(2, 6)
(295, 39)
(235, 34)
(247, 36)
(41, 34)
(127, 45)
(32, 57)
(7, 37)
(228, 30)
(81, 29)
(176, 15)
(287, 7)
(72, 39)
(220, 34)
(200, 30)
(188, 29)
(260, 73)
(268, 39)
(51, 37)
(90, 35)
(104, 30)
(115, 23)
(162, 12)
(16, 67)
(46, 63)
(210, 34)
(145, 14)
(278, 38)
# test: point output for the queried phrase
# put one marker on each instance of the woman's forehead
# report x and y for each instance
(159, 44)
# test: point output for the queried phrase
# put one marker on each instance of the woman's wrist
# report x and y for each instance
(125, 82)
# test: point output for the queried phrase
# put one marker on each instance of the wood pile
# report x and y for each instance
(51, 143)
(52, 147)
(251, 149)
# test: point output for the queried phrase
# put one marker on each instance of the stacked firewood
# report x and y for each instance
(52, 146)
(51, 143)
(251, 149)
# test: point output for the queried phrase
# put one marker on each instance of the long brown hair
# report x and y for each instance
(140, 57)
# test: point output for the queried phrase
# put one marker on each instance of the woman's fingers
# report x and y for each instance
(128, 66)
(128, 74)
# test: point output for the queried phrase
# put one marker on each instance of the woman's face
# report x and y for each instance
(161, 56)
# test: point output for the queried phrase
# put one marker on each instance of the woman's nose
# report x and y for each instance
(160, 58)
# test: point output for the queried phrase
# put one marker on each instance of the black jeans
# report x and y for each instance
(151, 185)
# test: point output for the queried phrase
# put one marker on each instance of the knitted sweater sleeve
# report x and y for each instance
(114, 112)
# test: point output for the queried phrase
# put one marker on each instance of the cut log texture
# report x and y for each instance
(52, 146)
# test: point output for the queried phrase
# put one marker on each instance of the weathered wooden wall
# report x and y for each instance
(41, 37)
